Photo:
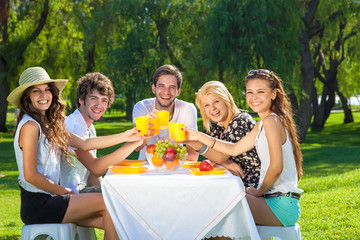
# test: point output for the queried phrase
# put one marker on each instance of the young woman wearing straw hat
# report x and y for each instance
(40, 142)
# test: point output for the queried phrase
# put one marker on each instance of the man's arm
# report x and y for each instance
(99, 166)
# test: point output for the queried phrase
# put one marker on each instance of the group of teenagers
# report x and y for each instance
(60, 174)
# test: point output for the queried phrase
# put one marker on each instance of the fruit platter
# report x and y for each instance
(164, 155)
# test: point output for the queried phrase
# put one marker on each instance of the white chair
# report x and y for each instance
(86, 233)
(53, 231)
(283, 233)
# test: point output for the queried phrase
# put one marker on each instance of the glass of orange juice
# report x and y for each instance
(142, 124)
(176, 130)
(163, 119)
(155, 122)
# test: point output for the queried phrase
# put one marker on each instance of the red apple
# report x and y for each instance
(170, 150)
(205, 166)
(150, 148)
(169, 157)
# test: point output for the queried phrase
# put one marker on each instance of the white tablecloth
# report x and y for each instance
(178, 205)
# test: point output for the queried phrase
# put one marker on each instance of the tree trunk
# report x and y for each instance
(90, 58)
(129, 105)
(324, 110)
(348, 116)
(221, 72)
(304, 115)
(293, 100)
(4, 92)
(17, 60)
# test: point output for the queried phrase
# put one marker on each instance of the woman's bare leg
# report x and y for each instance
(88, 209)
(261, 211)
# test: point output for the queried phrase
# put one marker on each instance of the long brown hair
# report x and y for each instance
(281, 106)
(52, 123)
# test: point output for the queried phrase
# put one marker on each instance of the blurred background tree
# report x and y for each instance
(311, 44)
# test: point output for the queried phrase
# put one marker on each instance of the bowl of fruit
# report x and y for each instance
(164, 155)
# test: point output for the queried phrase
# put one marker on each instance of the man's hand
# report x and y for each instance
(153, 114)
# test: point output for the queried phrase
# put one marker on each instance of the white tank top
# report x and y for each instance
(287, 181)
(48, 163)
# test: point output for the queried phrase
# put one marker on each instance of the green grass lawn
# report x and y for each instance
(330, 205)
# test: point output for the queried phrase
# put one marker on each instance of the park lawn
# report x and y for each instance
(330, 203)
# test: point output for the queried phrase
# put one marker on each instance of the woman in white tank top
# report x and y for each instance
(276, 201)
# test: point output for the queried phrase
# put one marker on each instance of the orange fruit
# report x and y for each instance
(158, 162)
(172, 164)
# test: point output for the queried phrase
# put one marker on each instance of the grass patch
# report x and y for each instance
(330, 205)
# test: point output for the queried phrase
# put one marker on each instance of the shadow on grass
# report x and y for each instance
(330, 160)
(332, 150)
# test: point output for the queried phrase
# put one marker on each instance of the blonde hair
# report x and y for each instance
(219, 90)
(281, 106)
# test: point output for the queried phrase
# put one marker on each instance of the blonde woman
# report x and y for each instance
(224, 121)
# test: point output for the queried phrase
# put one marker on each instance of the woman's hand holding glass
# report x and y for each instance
(191, 134)
(132, 135)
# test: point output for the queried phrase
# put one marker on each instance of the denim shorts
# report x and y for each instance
(286, 209)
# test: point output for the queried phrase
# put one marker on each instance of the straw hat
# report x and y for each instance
(30, 77)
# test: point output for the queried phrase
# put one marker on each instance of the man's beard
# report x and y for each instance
(165, 105)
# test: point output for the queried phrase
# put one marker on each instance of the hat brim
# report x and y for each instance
(15, 95)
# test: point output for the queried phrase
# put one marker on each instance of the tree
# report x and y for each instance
(304, 113)
(244, 35)
(330, 52)
(16, 37)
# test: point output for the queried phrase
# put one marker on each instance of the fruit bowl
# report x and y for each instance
(166, 156)
(161, 164)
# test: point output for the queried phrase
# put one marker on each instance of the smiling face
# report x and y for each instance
(259, 96)
(93, 107)
(41, 97)
(166, 90)
(215, 108)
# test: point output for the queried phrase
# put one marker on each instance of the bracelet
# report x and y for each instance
(213, 142)
(203, 150)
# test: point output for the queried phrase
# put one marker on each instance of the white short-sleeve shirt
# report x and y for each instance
(184, 113)
(76, 177)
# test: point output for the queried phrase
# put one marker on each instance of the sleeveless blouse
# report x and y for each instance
(287, 181)
(48, 163)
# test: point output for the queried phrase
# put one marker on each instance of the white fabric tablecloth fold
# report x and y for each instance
(177, 205)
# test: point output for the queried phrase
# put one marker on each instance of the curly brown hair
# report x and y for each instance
(91, 81)
(281, 106)
(52, 123)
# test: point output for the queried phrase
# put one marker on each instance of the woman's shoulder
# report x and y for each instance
(272, 121)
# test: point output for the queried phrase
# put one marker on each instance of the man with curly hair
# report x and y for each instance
(94, 95)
